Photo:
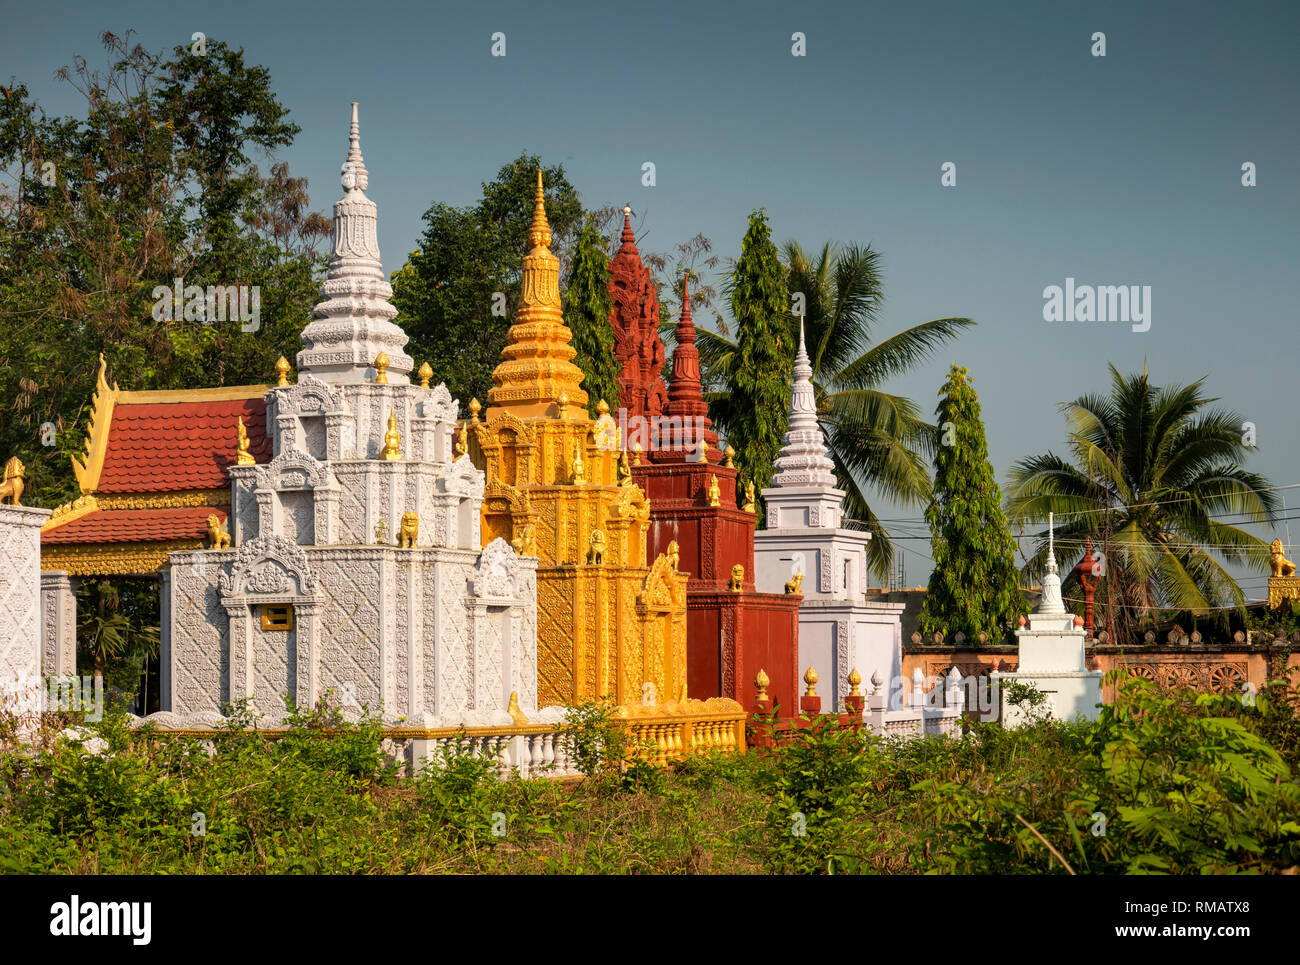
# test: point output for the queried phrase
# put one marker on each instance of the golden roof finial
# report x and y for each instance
(810, 678)
(425, 373)
(282, 370)
(474, 408)
(242, 456)
(855, 679)
(602, 407)
(539, 232)
(636, 453)
(762, 681)
(381, 368)
(728, 456)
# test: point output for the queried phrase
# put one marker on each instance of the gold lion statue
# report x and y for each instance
(410, 530)
(1276, 558)
(795, 582)
(218, 538)
(737, 582)
(12, 487)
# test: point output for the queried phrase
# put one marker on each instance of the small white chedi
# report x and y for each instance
(1052, 658)
(356, 565)
(805, 545)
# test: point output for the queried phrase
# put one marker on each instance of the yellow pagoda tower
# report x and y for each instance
(558, 488)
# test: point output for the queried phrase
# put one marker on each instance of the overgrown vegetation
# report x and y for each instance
(1163, 782)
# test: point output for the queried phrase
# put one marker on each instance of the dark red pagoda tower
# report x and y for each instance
(732, 631)
(637, 346)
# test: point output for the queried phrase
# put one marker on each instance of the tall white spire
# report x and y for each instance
(803, 460)
(354, 320)
(1051, 602)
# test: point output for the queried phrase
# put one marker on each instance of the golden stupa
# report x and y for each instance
(608, 624)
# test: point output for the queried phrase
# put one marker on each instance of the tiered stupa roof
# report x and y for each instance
(354, 320)
(538, 367)
(803, 461)
(635, 319)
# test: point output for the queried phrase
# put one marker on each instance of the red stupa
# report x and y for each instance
(731, 634)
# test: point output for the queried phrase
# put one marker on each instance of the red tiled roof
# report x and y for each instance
(157, 447)
(135, 525)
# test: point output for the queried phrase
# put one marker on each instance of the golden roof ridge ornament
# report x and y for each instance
(537, 363)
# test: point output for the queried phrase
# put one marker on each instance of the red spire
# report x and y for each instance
(685, 398)
(629, 239)
(635, 320)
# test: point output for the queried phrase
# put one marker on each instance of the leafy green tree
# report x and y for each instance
(587, 307)
(975, 586)
(1151, 467)
(154, 182)
(759, 381)
(878, 440)
(446, 293)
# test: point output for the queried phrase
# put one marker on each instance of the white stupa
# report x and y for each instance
(1052, 657)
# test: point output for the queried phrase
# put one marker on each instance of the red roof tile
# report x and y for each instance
(158, 447)
(135, 525)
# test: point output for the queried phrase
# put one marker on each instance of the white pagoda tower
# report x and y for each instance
(839, 630)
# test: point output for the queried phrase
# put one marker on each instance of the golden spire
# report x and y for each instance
(537, 362)
(425, 374)
(381, 368)
(282, 371)
(474, 409)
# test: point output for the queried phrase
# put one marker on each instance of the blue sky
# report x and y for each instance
(1117, 170)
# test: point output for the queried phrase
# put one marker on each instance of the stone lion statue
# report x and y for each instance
(12, 487)
(1276, 558)
(218, 538)
(410, 530)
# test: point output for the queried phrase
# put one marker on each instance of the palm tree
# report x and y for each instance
(878, 441)
(1150, 469)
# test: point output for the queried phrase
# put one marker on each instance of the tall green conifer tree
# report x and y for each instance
(974, 586)
(587, 308)
(759, 381)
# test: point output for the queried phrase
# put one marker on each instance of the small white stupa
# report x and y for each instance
(1052, 657)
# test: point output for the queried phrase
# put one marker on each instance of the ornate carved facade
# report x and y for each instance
(635, 319)
(316, 595)
(610, 621)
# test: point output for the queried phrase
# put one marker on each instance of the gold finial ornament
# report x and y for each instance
(579, 467)
(242, 456)
(855, 679)
(762, 681)
(749, 506)
(602, 407)
(410, 531)
(392, 440)
(381, 369)
(715, 492)
(636, 453)
(462, 441)
(793, 584)
(728, 456)
(737, 582)
(810, 678)
(282, 370)
(425, 373)
(11, 488)
(475, 407)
